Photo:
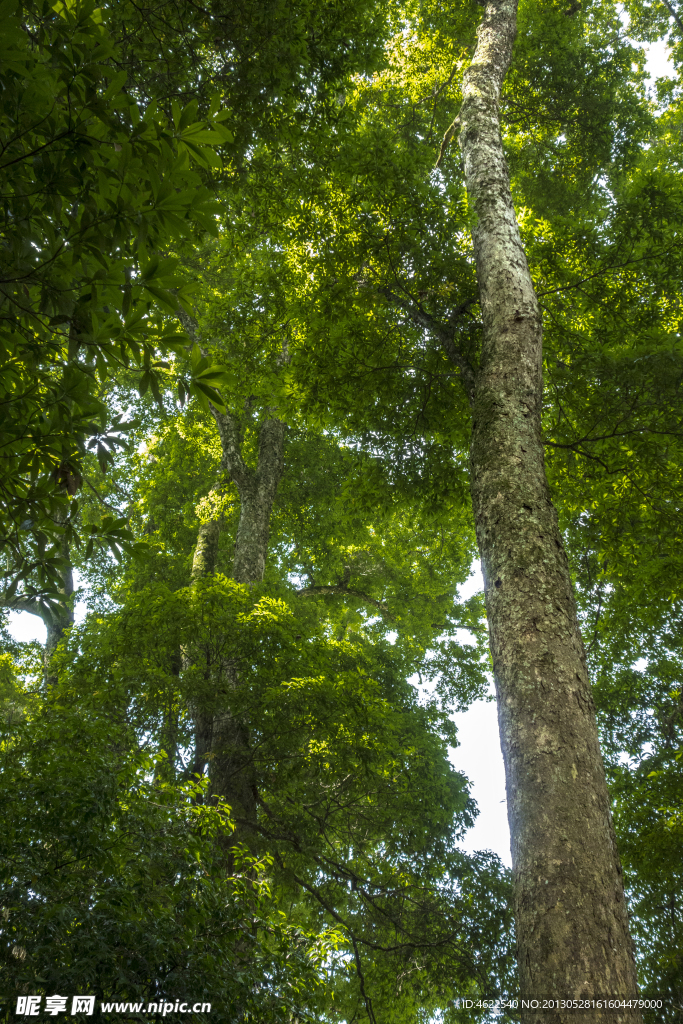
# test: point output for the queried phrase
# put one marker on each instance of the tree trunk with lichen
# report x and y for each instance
(221, 738)
(572, 924)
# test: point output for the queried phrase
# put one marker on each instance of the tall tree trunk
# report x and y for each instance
(63, 617)
(203, 564)
(572, 925)
(222, 738)
(257, 490)
(232, 771)
(165, 770)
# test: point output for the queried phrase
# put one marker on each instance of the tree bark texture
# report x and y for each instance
(257, 489)
(571, 918)
(206, 549)
(222, 738)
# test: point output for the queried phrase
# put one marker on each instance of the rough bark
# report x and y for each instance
(257, 489)
(206, 549)
(572, 925)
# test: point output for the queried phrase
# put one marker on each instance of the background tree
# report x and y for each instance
(341, 753)
(110, 883)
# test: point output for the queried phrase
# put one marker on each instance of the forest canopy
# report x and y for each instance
(264, 400)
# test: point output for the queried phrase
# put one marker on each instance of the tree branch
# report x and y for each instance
(445, 141)
(231, 444)
(673, 14)
(342, 588)
(22, 604)
(444, 335)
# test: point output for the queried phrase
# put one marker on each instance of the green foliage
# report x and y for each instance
(96, 186)
(360, 808)
(638, 694)
(324, 272)
(111, 883)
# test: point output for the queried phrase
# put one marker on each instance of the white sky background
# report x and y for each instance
(657, 64)
(478, 754)
(25, 627)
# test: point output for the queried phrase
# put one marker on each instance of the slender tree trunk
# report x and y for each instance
(232, 771)
(206, 549)
(257, 489)
(63, 617)
(203, 564)
(572, 924)
(168, 737)
(221, 738)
